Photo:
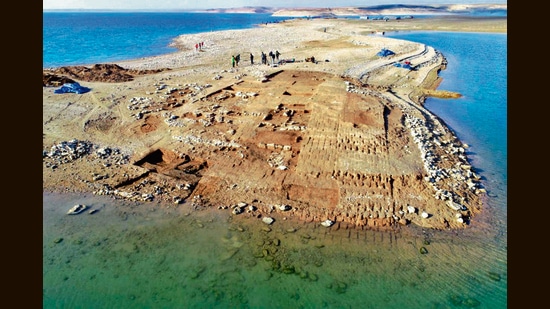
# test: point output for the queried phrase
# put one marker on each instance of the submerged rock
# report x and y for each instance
(76, 209)
(267, 220)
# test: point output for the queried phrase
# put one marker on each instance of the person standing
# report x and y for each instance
(277, 53)
(237, 59)
(272, 56)
(233, 61)
(251, 59)
(264, 58)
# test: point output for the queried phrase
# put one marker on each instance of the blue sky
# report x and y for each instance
(208, 4)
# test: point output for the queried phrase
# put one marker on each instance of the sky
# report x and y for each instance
(211, 4)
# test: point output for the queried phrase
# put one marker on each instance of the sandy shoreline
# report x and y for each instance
(344, 139)
(271, 37)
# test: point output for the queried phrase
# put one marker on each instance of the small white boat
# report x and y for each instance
(76, 209)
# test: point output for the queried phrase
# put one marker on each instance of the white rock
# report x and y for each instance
(267, 220)
(411, 209)
(425, 214)
(327, 223)
(453, 205)
(76, 209)
(284, 207)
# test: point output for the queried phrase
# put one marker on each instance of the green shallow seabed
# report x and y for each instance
(128, 257)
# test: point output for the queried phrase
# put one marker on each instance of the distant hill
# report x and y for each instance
(386, 9)
(246, 9)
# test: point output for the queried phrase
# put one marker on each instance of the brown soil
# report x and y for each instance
(108, 73)
(298, 136)
(300, 140)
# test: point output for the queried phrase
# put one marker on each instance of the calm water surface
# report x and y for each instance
(79, 38)
(131, 256)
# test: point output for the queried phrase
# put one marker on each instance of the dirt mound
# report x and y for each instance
(52, 80)
(109, 73)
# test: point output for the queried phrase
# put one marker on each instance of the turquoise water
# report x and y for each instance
(147, 255)
(131, 257)
(79, 38)
(477, 68)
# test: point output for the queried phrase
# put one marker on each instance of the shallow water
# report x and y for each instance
(130, 256)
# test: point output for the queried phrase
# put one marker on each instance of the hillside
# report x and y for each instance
(391, 9)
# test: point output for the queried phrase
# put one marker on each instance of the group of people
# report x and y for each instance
(273, 55)
(235, 59)
(198, 46)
